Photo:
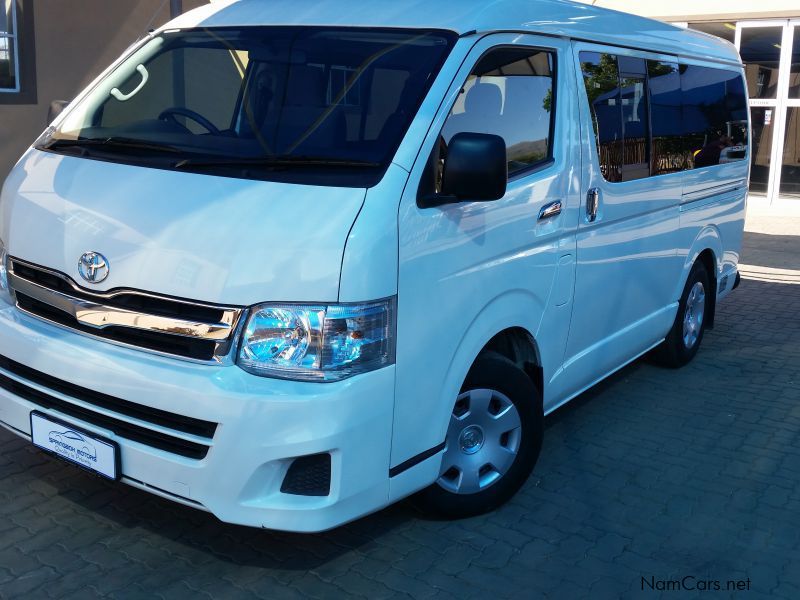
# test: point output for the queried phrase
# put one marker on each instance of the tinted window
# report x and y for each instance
(656, 117)
(714, 116)
(635, 125)
(668, 154)
(510, 94)
(601, 78)
(617, 90)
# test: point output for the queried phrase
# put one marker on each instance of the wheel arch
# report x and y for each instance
(709, 260)
(707, 248)
(505, 325)
(519, 346)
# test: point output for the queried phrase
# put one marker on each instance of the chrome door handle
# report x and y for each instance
(550, 210)
(592, 204)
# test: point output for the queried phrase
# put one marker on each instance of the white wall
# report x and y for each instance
(703, 10)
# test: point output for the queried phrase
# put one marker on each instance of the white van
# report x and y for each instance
(290, 263)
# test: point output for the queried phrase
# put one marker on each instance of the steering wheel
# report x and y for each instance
(170, 114)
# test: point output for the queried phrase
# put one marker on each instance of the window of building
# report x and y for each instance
(722, 29)
(510, 93)
(761, 53)
(9, 59)
(344, 86)
(794, 68)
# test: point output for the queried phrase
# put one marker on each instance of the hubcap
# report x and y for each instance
(471, 439)
(483, 440)
(693, 315)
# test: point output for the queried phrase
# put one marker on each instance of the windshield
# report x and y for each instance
(308, 104)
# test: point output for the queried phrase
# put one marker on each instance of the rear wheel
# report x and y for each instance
(683, 341)
(493, 441)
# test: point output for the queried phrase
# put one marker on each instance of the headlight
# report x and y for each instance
(318, 343)
(5, 292)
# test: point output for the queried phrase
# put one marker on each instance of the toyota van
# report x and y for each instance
(291, 263)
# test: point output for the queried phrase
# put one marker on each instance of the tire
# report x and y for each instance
(502, 402)
(684, 339)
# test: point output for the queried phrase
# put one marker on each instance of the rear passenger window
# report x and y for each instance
(668, 153)
(658, 117)
(635, 118)
(714, 116)
(510, 93)
(616, 87)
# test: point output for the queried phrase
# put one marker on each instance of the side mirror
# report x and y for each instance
(476, 169)
(56, 108)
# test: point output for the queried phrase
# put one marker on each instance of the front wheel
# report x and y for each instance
(683, 341)
(493, 441)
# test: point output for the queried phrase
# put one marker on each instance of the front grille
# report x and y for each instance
(183, 328)
(121, 427)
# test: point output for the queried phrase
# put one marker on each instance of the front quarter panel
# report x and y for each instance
(369, 265)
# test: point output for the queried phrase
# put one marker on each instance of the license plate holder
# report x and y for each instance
(76, 446)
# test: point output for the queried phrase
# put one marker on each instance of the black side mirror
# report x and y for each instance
(476, 169)
(56, 108)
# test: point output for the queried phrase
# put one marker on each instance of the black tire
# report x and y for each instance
(674, 351)
(495, 372)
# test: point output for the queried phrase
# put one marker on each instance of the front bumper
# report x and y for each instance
(263, 424)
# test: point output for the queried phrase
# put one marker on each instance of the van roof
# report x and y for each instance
(562, 18)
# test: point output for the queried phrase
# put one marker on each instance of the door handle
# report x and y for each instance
(592, 204)
(550, 210)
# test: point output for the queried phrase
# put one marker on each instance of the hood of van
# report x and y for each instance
(200, 237)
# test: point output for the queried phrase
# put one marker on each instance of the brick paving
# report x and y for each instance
(655, 473)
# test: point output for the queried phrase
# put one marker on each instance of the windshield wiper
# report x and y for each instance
(110, 142)
(287, 160)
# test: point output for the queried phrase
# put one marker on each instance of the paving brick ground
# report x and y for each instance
(655, 473)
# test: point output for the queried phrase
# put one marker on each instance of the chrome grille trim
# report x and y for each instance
(93, 309)
(101, 316)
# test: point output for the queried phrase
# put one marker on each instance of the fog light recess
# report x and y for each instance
(308, 476)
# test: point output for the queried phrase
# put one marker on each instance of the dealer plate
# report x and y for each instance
(75, 445)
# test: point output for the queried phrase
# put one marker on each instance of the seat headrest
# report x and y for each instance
(485, 99)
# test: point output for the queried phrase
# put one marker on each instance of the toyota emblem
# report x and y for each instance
(93, 267)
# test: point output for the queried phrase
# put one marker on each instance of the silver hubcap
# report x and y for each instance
(482, 441)
(693, 316)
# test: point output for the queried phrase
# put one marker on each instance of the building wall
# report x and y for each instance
(74, 41)
(704, 10)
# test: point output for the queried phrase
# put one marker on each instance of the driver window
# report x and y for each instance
(509, 93)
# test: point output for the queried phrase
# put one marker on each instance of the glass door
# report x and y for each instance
(760, 45)
(789, 178)
(770, 52)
